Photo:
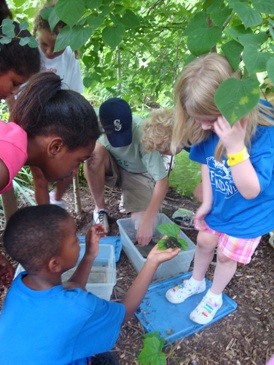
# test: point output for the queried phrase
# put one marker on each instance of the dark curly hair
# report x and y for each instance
(34, 235)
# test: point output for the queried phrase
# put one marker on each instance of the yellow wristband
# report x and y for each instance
(237, 157)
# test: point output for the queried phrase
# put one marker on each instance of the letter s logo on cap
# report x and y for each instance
(117, 125)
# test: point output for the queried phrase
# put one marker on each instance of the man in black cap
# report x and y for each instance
(119, 159)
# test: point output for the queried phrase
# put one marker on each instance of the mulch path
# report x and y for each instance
(244, 337)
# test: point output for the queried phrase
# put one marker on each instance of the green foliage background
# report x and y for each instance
(136, 49)
(186, 175)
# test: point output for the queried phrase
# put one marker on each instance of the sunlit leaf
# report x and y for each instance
(254, 60)
(198, 22)
(248, 15)
(130, 20)
(152, 351)
(70, 11)
(270, 69)
(264, 6)
(236, 98)
(201, 41)
(113, 36)
(232, 50)
(63, 39)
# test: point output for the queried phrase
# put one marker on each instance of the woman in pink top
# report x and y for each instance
(51, 128)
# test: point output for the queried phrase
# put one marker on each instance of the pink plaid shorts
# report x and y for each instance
(237, 249)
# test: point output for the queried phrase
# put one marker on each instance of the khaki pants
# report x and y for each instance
(137, 189)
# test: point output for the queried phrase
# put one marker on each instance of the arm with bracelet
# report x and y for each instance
(238, 159)
(244, 174)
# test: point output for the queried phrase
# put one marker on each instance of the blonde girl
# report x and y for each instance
(237, 174)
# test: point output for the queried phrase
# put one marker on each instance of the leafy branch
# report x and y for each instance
(8, 34)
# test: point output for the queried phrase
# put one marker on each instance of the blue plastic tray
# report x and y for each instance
(172, 321)
(115, 241)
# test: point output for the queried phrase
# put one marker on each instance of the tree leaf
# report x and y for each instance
(130, 20)
(23, 41)
(113, 36)
(264, 6)
(232, 50)
(23, 26)
(201, 41)
(93, 4)
(94, 21)
(33, 43)
(5, 40)
(79, 36)
(8, 28)
(70, 11)
(254, 60)
(270, 68)
(197, 22)
(249, 16)
(236, 98)
(63, 38)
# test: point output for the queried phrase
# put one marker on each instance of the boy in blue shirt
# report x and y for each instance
(53, 322)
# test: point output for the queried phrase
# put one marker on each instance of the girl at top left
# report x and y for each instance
(55, 135)
(66, 65)
(17, 64)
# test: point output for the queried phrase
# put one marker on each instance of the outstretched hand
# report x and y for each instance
(159, 256)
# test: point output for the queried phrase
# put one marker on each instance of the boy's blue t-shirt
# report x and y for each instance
(56, 326)
(231, 213)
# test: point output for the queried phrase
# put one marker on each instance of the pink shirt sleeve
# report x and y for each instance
(13, 149)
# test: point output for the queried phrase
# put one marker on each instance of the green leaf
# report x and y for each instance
(50, 15)
(253, 39)
(5, 40)
(33, 43)
(8, 28)
(23, 26)
(130, 20)
(168, 229)
(93, 4)
(219, 16)
(70, 11)
(94, 21)
(255, 61)
(270, 69)
(232, 50)
(113, 36)
(271, 31)
(236, 98)
(264, 6)
(152, 351)
(79, 36)
(201, 41)
(63, 39)
(249, 16)
(237, 31)
(199, 21)
(23, 41)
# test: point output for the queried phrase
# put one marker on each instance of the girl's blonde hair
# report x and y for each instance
(157, 130)
(194, 95)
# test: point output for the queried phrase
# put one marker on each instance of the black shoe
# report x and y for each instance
(105, 358)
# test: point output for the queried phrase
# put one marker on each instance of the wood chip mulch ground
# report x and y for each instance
(244, 337)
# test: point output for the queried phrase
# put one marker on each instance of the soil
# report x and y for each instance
(244, 337)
